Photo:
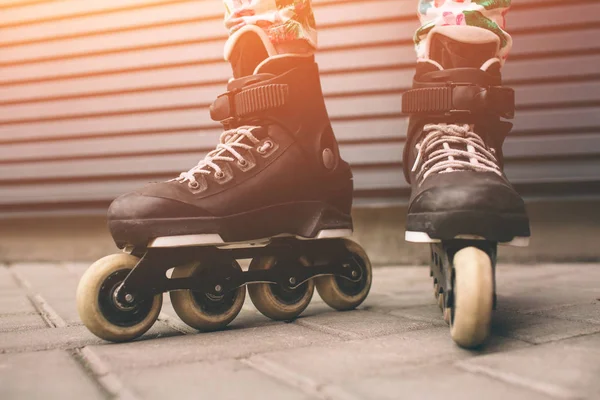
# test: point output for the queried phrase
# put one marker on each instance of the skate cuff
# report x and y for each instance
(454, 99)
(247, 102)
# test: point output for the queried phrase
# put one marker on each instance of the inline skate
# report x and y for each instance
(275, 190)
(461, 201)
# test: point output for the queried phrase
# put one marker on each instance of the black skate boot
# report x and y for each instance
(274, 184)
(461, 201)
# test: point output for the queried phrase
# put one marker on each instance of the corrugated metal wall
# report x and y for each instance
(98, 97)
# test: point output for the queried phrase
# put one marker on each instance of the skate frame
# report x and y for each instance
(149, 276)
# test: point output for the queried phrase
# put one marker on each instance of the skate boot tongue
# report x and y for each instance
(250, 52)
(451, 47)
(246, 49)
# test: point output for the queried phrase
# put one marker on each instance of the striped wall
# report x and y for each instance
(98, 97)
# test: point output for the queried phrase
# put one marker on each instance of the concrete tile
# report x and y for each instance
(582, 312)
(44, 375)
(65, 307)
(56, 285)
(397, 301)
(537, 329)
(64, 338)
(21, 322)
(46, 275)
(15, 303)
(228, 379)
(566, 369)
(234, 342)
(395, 280)
(516, 275)
(591, 342)
(437, 382)
(429, 313)
(542, 298)
(361, 324)
(76, 268)
(7, 282)
(313, 309)
(358, 359)
(578, 276)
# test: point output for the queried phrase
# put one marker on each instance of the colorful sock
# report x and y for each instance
(485, 14)
(282, 20)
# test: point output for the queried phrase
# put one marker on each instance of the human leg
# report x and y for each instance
(461, 201)
(289, 24)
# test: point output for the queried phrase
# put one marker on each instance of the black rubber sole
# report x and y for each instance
(304, 219)
(447, 225)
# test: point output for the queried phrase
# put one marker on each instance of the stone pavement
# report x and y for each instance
(546, 344)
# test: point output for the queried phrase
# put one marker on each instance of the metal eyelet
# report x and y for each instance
(219, 175)
(242, 163)
(197, 186)
(263, 148)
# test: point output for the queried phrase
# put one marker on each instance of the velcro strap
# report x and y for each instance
(246, 102)
(460, 98)
(261, 98)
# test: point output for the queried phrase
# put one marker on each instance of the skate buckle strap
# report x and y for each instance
(243, 103)
(460, 98)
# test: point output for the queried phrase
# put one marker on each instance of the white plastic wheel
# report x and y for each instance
(473, 297)
(202, 311)
(98, 309)
(275, 301)
(342, 294)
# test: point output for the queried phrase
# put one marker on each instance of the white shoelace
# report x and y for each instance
(230, 143)
(440, 157)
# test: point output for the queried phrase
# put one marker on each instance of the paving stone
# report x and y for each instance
(229, 379)
(352, 324)
(512, 275)
(567, 369)
(536, 329)
(588, 341)
(21, 322)
(64, 338)
(395, 346)
(581, 312)
(15, 303)
(65, 307)
(400, 279)
(560, 285)
(314, 308)
(76, 268)
(234, 342)
(42, 276)
(580, 276)
(429, 313)
(56, 285)
(357, 359)
(437, 382)
(542, 298)
(7, 282)
(397, 301)
(44, 375)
